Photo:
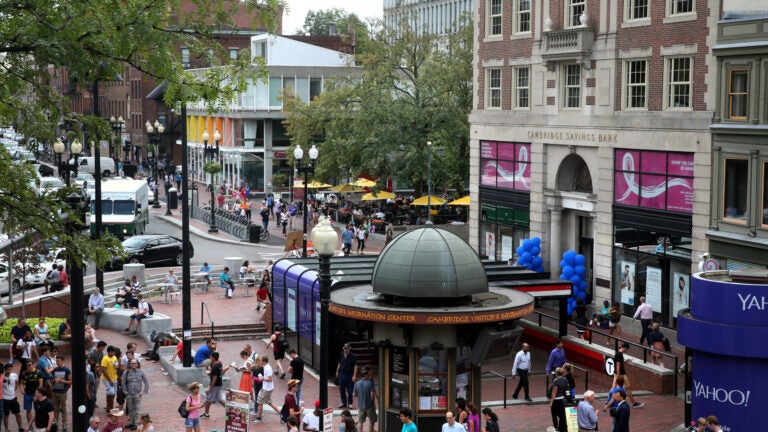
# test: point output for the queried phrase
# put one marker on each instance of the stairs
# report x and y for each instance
(365, 353)
(228, 332)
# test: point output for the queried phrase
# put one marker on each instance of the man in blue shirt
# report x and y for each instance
(556, 357)
(203, 354)
(585, 413)
(408, 424)
(346, 238)
(292, 210)
(205, 268)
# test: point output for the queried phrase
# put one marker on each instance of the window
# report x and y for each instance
(493, 88)
(233, 53)
(737, 94)
(522, 87)
(505, 165)
(315, 88)
(677, 7)
(185, 57)
(638, 9)
(433, 377)
(522, 16)
(735, 190)
(679, 84)
(574, 11)
(636, 72)
(572, 86)
(493, 23)
(653, 179)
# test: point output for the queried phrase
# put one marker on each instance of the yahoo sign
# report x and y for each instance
(727, 329)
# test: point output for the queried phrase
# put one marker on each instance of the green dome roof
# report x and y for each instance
(429, 263)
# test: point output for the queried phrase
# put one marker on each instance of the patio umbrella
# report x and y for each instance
(318, 185)
(348, 187)
(363, 182)
(381, 195)
(422, 201)
(463, 201)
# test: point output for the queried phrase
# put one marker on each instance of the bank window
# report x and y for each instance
(737, 94)
(764, 207)
(522, 16)
(735, 190)
(638, 9)
(433, 378)
(493, 88)
(572, 86)
(679, 82)
(677, 7)
(636, 76)
(493, 21)
(522, 87)
(574, 10)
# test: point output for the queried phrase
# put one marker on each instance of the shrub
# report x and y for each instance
(53, 327)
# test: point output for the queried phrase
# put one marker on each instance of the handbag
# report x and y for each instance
(612, 411)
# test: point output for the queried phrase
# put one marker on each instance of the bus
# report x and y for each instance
(124, 207)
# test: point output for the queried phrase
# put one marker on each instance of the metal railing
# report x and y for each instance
(578, 368)
(616, 341)
(226, 221)
(40, 303)
(498, 375)
(204, 306)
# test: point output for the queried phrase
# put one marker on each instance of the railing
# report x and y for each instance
(204, 306)
(225, 221)
(578, 368)
(616, 341)
(498, 375)
(40, 303)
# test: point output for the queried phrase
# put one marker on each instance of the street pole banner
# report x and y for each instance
(237, 411)
(328, 420)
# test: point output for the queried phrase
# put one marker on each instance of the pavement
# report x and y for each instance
(661, 412)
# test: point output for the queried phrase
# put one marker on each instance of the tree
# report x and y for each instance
(318, 23)
(415, 87)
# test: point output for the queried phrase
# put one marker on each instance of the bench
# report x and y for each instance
(117, 319)
(183, 376)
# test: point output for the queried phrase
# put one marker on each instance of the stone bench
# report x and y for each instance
(183, 376)
(117, 319)
(64, 347)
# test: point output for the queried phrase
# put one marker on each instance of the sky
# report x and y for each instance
(294, 20)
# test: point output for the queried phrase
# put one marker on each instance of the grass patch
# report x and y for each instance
(53, 327)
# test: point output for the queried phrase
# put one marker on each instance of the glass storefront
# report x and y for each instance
(502, 229)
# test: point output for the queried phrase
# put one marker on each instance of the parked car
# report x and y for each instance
(16, 283)
(46, 263)
(48, 185)
(153, 249)
(44, 170)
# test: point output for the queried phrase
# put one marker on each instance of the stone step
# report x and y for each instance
(228, 332)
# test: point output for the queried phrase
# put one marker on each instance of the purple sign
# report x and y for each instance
(654, 180)
(506, 175)
(488, 176)
(510, 170)
(507, 151)
(487, 150)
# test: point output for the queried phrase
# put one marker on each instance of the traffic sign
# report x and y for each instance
(610, 366)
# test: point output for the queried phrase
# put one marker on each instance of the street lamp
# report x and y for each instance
(211, 154)
(153, 133)
(77, 305)
(429, 182)
(325, 239)
(58, 148)
(305, 168)
(74, 150)
(117, 126)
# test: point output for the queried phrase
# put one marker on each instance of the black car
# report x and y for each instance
(152, 249)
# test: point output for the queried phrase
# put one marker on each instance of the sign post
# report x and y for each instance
(237, 411)
(328, 420)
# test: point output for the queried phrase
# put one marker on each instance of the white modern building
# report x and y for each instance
(433, 16)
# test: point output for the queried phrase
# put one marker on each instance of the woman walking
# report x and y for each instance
(194, 402)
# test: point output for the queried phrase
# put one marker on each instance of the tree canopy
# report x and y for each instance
(415, 87)
(318, 23)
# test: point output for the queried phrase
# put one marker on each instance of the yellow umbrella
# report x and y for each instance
(318, 185)
(422, 201)
(349, 187)
(463, 201)
(377, 196)
(362, 182)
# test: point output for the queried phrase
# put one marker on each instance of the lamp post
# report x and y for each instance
(305, 168)
(325, 240)
(211, 154)
(58, 149)
(77, 305)
(74, 150)
(429, 182)
(153, 133)
(117, 127)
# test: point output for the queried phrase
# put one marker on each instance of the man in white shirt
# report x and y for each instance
(450, 424)
(645, 312)
(265, 394)
(95, 307)
(522, 367)
(141, 313)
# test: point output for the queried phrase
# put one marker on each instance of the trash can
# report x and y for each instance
(254, 233)
(129, 169)
(173, 198)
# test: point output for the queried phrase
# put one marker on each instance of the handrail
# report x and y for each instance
(577, 367)
(204, 305)
(615, 340)
(496, 374)
(40, 303)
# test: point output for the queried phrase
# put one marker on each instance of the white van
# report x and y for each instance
(87, 165)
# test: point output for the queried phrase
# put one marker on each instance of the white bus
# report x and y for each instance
(124, 207)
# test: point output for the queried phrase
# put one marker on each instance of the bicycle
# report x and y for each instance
(264, 235)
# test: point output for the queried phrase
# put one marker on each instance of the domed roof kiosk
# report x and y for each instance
(426, 313)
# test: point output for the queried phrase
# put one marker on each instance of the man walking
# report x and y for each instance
(132, 379)
(279, 346)
(450, 424)
(10, 401)
(214, 390)
(43, 412)
(296, 369)
(585, 413)
(62, 381)
(621, 422)
(556, 357)
(95, 307)
(346, 372)
(365, 391)
(645, 312)
(346, 239)
(265, 394)
(522, 367)
(620, 371)
(408, 424)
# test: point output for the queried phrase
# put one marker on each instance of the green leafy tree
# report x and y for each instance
(318, 23)
(415, 87)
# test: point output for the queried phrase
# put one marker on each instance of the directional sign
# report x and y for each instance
(610, 366)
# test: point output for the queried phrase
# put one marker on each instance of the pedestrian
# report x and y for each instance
(346, 372)
(268, 385)
(491, 420)
(296, 369)
(292, 210)
(194, 402)
(645, 312)
(713, 424)
(63, 277)
(271, 205)
(46, 366)
(43, 411)
(450, 424)
(51, 281)
(367, 397)
(461, 411)
(91, 389)
(114, 424)
(142, 311)
(17, 333)
(278, 208)
(621, 421)
(346, 238)
(620, 371)
(246, 380)
(284, 217)
(408, 424)
(557, 400)
(94, 423)
(226, 282)
(290, 402)
(95, 307)
(28, 350)
(522, 368)
(614, 322)
(279, 344)
(293, 424)
(213, 395)
(257, 372)
(10, 403)
(32, 379)
(145, 424)
(473, 418)
(360, 234)
(206, 270)
(656, 341)
(109, 366)
(570, 393)
(346, 420)
(62, 381)
(556, 357)
(42, 338)
(585, 413)
(203, 354)
(264, 213)
(132, 381)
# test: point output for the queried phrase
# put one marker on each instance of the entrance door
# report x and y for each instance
(586, 248)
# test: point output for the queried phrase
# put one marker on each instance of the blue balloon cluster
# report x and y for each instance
(528, 255)
(572, 269)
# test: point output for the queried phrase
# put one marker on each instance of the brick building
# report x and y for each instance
(590, 130)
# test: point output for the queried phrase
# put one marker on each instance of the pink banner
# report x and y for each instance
(623, 193)
(652, 188)
(627, 160)
(653, 191)
(487, 150)
(653, 162)
(488, 177)
(507, 151)
(680, 164)
(506, 175)
(680, 195)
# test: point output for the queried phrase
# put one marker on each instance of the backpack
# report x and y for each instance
(150, 309)
(282, 342)
(183, 408)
